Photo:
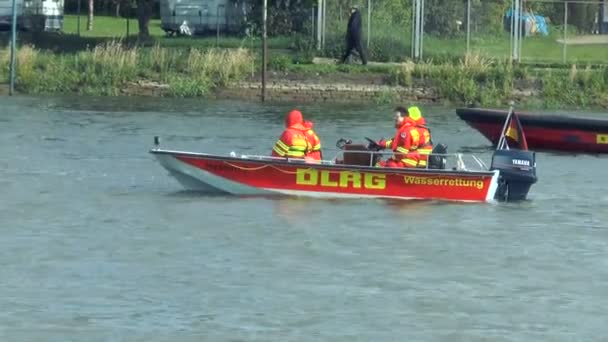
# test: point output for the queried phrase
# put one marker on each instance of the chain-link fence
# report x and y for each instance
(385, 27)
(564, 31)
(396, 30)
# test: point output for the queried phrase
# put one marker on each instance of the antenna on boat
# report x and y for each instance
(502, 139)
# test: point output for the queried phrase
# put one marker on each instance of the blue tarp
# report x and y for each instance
(535, 24)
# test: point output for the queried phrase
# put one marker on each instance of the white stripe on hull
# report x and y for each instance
(318, 194)
(493, 187)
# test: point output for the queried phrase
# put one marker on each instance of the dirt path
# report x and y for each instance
(323, 60)
(585, 40)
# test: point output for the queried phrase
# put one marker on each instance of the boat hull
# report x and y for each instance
(242, 176)
(543, 132)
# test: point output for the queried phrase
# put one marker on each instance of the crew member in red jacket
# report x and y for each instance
(412, 142)
(298, 140)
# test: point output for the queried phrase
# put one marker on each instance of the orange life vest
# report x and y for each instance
(425, 144)
(404, 144)
(314, 143)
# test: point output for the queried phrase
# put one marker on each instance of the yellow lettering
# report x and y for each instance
(325, 181)
(307, 176)
(374, 181)
(479, 185)
(347, 177)
(451, 182)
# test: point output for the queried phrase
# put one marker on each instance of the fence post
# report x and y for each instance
(217, 26)
(78, 21)
(421, 26)
(319, 23)
(417, 19)
(515, 30)
(565, 31)
(511, 30)
(369, 22)
(413, 37)
(264, 50)
(324, 12)
(11, 88)
(312, 22)
(521, 31)
(468, 26)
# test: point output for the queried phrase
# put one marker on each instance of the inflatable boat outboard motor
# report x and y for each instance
(517, 173)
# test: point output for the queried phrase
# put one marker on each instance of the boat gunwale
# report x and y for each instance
(549, 121)
(201, 155)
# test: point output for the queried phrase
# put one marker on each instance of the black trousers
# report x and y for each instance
(354, 44)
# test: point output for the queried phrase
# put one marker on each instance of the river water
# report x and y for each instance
(100, 244)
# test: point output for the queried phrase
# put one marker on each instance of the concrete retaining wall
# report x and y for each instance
(292, 91)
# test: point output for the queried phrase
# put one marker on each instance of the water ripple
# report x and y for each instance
(99, 243)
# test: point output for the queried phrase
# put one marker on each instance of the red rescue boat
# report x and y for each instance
(543, 132)
(351, 175)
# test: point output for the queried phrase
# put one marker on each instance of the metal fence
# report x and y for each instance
(520, 30)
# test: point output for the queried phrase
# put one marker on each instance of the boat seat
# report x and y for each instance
(437, 158)
(355, 154)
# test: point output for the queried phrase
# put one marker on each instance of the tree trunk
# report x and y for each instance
(90, 17)
(144, 11)
(117, 8)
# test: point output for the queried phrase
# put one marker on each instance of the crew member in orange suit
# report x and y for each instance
(298, 140)
(314, 143)
(425, 146)
(412, 142)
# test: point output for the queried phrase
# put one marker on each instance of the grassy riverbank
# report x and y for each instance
(111, 69)
(483, 81)
(474, 80)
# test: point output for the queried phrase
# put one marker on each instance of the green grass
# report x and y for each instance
(114, 27)
(389, 44)
(107, 27)
(109, 68)
(534, 49)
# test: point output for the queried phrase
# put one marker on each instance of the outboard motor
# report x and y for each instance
(517, 173)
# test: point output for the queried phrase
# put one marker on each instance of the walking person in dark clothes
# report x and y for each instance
(353, 35)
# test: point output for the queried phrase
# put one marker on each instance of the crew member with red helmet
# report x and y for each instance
(298, 140)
